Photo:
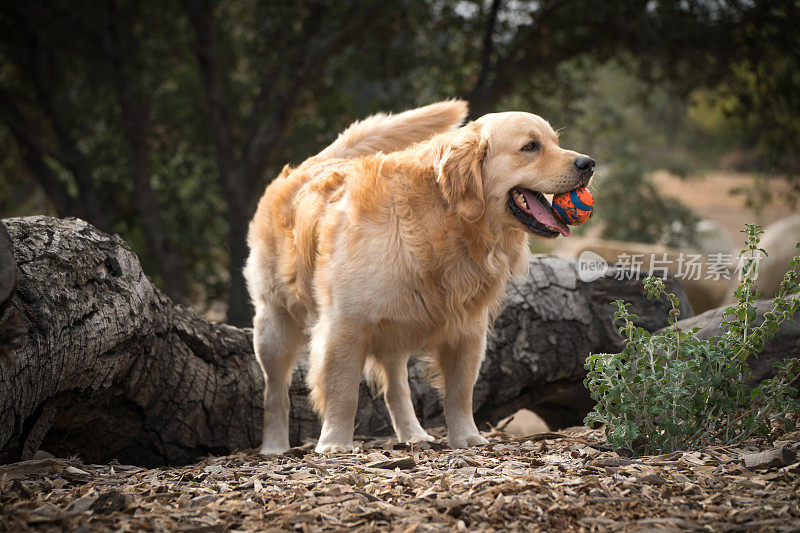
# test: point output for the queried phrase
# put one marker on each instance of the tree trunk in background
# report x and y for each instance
(240, 311)
(135, 119)
(113, 369)
(242, 161)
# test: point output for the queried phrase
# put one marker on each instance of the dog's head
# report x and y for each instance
(503, 164)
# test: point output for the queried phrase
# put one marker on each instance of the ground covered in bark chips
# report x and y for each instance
(549, 481)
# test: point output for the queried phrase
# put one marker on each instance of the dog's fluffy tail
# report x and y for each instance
(390, 133)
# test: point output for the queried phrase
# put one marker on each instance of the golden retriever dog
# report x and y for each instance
(396, 240)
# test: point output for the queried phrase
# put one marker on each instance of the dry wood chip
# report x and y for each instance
(541, 436)
(83, 503)
(562, 481)
(213, 469)
(775, 457)
(32, 468)
(694, 458)
(403, 463)
(612, 461)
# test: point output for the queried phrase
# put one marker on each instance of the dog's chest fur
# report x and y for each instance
(407, 271)
(385, 252)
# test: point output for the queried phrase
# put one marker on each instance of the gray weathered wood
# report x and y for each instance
(8, 272)
(780, 456)
(113, 369)
(10, 328)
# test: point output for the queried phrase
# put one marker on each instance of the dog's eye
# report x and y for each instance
(531, 146)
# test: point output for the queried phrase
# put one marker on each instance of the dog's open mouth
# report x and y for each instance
(536, 213)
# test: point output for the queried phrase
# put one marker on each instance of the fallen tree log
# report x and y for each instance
(8, 272)
(10, 328)
(111, 368)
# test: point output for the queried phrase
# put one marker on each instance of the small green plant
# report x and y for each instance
(672, 390)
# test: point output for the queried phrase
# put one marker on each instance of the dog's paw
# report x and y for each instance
(465, 441)
(417, 437)
(272, 448)
(333, 448)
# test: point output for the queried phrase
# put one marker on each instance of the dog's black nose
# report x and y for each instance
(584, 163)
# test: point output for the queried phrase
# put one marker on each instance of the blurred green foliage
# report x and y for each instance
(163, 121)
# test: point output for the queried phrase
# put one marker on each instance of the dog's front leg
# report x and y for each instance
(459, 363)
(337, 360)
(398, 400)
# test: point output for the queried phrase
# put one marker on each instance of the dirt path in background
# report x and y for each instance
(709, 196)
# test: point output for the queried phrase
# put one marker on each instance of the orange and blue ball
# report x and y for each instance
(574, 207)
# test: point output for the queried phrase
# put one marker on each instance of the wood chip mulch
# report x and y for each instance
(545, 482)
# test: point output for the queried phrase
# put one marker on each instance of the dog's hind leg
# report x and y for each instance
(398, 399)
(337, 360)
(277, 338)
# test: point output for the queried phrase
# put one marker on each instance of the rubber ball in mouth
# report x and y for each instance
(574, 207)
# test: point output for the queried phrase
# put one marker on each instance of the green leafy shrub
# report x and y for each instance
(671, 390)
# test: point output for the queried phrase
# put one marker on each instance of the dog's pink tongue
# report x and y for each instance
(544, 214)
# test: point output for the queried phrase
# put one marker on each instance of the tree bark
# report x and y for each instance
(8, 270)
(113, 369)
(10, 328)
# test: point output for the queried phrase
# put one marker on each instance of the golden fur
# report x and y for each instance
(395, 240)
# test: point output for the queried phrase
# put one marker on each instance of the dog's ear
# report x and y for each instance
(460, 175)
